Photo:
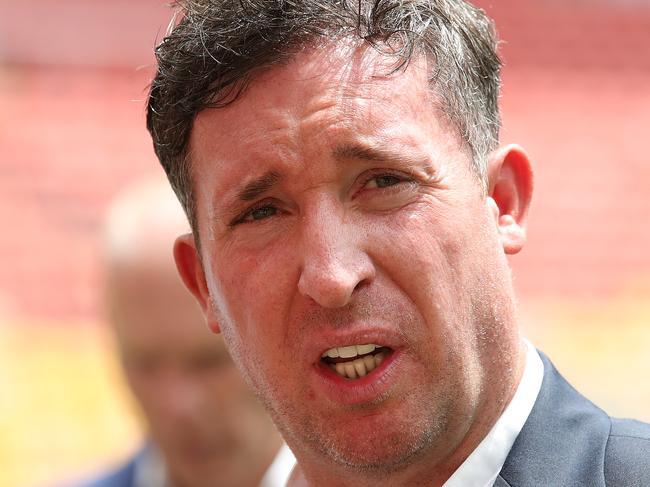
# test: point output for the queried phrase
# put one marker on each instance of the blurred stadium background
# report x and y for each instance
(73, 80)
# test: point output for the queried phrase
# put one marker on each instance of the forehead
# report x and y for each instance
(344, 68)
(338, 79)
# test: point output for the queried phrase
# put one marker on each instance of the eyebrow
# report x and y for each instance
(258, 186)
(377, 154)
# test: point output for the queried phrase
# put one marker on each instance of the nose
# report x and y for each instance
(334, 264)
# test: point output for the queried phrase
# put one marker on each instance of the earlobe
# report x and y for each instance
(191, 271)
(510, 190)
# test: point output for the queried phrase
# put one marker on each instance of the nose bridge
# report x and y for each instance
(333, 260)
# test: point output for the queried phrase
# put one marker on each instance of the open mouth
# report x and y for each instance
(355, 361)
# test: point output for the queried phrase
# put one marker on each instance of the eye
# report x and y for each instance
(256, 214)
(383, 181)
(384, 187)
(261, 213)
(144, 366)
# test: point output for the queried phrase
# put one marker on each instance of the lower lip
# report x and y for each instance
(362, 390)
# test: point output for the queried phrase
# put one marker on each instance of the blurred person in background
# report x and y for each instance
(205, 427)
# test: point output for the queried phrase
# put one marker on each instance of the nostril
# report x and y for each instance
(330, 288)
(360, 285)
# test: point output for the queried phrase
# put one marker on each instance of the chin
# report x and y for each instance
(381, 443)
(380, 455)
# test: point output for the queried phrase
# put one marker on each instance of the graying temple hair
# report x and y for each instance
(211, 53)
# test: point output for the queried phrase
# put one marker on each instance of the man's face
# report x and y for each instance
(337, 208)
(200, 412)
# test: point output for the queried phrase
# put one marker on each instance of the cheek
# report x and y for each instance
(254, 296)
(251, 269)
(253, 288)
(228, 393)
(434, 259)
(418, 249)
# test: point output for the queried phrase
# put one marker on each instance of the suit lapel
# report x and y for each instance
(500, 482)
(562, 442)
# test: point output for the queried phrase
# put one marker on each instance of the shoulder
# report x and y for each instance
(627, 455)
(120, 477)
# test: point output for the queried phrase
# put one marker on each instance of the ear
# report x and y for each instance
(188, 263)
(510, 179)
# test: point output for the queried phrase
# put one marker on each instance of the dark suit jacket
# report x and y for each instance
(568, 441)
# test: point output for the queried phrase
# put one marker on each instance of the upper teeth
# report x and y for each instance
(350, 351)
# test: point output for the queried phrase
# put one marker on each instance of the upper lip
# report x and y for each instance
(325, 340)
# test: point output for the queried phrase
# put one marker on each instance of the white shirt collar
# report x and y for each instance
(280, 470)
(483, 465)
(150, 469)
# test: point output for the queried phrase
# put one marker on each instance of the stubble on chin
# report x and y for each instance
(406, 440)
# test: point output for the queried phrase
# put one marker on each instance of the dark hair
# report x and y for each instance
(214, 49)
